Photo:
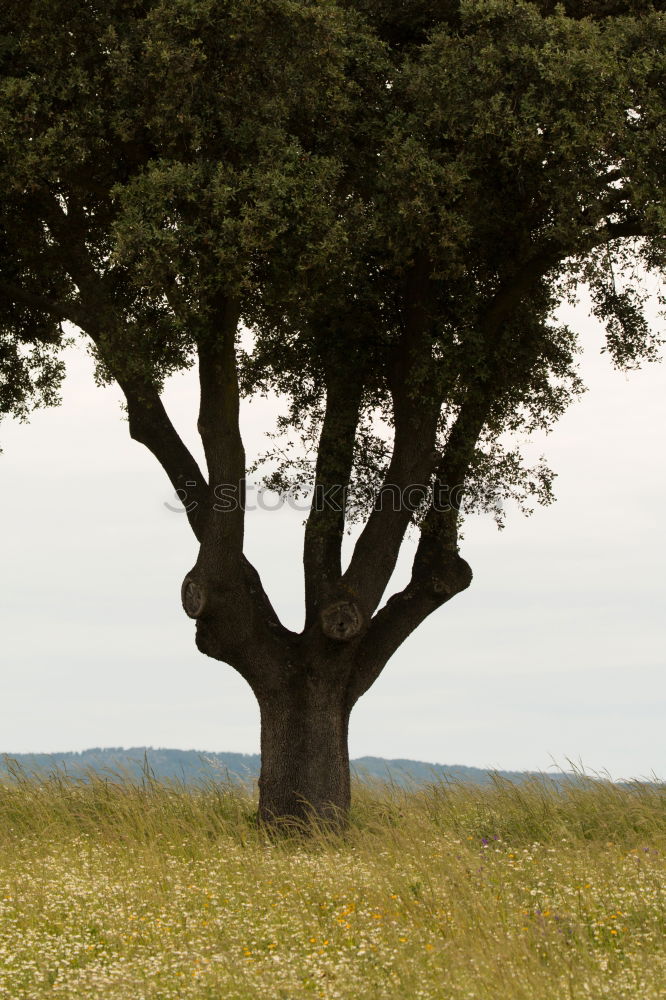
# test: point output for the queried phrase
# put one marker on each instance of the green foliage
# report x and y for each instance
(305, 158)
(30, 374)
(511, 142)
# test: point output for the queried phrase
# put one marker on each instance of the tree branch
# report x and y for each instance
(324, 529)
(149, 422)
(65, 312)
(438, 571)
(513, 290)
(416, 408)
(150, 425)
(248, 629)
(218, 425)
(621, 230)
(400, 616)
(219, 407)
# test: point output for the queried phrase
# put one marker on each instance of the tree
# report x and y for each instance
(392, 200)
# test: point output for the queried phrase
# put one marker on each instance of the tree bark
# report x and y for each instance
(304, 755)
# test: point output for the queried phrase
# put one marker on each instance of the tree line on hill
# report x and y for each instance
(198, 767)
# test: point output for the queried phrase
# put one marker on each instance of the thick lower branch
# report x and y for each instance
(150, 425)
(219, 428)
(236, 622)
(402, 615)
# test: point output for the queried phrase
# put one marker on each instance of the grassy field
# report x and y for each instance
(111, 890)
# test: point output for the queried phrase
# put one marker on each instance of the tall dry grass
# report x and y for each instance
(112, 888)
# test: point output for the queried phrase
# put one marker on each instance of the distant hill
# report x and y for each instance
(194, 766)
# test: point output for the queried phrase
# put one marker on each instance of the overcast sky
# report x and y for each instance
(556, 652)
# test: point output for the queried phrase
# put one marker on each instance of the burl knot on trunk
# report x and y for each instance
(342, 621)
(193, 597)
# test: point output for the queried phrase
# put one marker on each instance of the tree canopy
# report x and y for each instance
(392, 199)
(324, 165)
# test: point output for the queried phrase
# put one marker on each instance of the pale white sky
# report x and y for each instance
(556, 651)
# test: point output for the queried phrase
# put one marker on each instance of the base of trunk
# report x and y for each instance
(304, 758)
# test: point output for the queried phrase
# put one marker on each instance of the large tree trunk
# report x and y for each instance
(304, 756)
(303, 684)
(306, 683)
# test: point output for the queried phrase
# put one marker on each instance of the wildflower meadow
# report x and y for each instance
(112, 889)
